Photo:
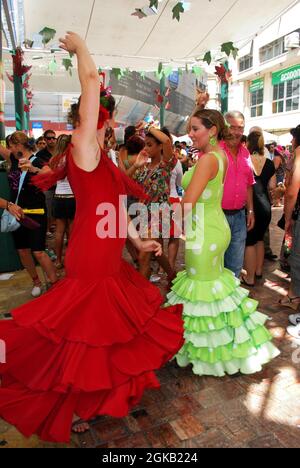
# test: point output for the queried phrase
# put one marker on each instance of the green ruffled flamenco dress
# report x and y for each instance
(224, 333)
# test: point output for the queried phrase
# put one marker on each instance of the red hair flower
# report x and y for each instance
(104, 115)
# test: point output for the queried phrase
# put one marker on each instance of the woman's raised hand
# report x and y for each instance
(142, 159)
(71, 42)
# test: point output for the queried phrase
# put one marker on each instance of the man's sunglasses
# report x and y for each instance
(50, 138)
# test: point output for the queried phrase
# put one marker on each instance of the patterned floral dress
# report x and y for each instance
(156, 184)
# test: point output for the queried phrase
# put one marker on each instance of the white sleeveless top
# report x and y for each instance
(63, 187)
(176, 178)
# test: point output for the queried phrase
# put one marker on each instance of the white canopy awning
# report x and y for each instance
(118, 39)
(285, 139)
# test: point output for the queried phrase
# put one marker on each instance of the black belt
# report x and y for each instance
(233, 212)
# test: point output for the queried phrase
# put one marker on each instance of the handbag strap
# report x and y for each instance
(22, 179)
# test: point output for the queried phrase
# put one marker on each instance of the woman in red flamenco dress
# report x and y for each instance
(91, 344)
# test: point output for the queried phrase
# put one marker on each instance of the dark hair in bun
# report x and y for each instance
(212, 118)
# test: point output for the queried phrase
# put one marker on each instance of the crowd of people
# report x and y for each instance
(104, 324)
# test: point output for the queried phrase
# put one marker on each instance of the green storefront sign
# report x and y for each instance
(256, 85)
(292, 73)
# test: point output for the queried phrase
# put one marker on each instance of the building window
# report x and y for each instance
(269, 51)
(286, 96)
(256, 103)
(292, 95)
(245, 63)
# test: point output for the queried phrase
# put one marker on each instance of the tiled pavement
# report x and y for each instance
(262, 410)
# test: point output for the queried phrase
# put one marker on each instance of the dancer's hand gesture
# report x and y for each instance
(71, 42)
(16, 211)
(142, 159)
(151, 246)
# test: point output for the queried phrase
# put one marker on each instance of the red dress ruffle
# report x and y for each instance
(90, 345)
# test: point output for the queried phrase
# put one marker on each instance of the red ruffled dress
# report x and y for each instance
(91, 344)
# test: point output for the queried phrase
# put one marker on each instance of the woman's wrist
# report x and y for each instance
(137, 241)
(34, 170)
(148, 127)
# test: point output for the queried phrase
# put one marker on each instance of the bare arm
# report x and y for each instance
(142, 246)
(292, 191)
(86, 148)
(12, 208)
(123, 153)
(3, 203)
(28, 166)
(179, 175)
(141, 161)
(277, 162)
(272, 184)
(250, 209)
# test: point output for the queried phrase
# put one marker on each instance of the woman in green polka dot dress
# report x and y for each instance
(224, 333)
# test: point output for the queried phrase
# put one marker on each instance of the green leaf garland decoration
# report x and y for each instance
(159, 72)
(52, 67)
(47, 34)
(167, 71)
(67, 63)
(228, 48)
(117, 72)
(153, 3)
(197, 71)
(178, 10)
(207, 58)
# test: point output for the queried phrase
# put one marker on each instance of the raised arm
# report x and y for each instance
(86, 148)
(166, 142)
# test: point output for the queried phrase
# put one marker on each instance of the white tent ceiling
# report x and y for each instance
(117, 39)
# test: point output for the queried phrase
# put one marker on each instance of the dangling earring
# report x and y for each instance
(213, 141)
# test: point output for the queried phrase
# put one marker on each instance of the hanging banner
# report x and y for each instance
(67, 101)
(256, 85)
(292, 73)
(143, 89)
